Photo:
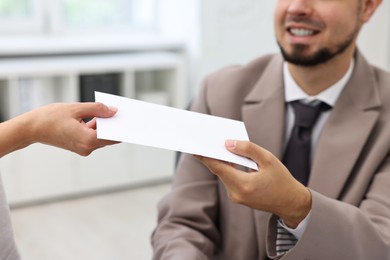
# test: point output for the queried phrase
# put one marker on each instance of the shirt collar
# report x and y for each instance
(293, 92)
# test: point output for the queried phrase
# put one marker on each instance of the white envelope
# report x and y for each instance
(170, 128)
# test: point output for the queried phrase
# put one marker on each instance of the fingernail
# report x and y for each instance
(231, 144)
(113, 109)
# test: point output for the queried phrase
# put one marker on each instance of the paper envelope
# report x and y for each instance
(148, 124)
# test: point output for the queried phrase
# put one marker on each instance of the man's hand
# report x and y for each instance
(272, 188)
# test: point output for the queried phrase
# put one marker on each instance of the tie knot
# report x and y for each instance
(306, 115)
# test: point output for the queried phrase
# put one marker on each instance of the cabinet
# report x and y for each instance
(40, 172)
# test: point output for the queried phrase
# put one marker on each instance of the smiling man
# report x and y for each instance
(318, 120)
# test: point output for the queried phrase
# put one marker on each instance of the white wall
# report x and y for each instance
(181, 19)
(374, 40)
(235, 31)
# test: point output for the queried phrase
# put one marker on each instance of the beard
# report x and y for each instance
(297, 56)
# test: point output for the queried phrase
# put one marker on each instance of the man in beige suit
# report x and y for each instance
(216, 210)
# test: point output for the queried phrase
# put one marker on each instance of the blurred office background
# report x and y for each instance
(104, 206)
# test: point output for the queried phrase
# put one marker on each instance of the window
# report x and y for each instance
(99, 15)
(54, 16)
(21, 16)
(14, 9)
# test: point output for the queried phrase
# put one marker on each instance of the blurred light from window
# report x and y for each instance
(108, 13)
(11, 9)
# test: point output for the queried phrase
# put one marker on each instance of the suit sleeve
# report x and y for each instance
(187, 215)
(338, 230)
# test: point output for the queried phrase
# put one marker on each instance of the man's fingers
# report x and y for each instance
(215, 166)
(249, 150)
(224, 170)
(236, 182)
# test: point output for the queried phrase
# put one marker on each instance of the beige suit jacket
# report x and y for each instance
(349, 181)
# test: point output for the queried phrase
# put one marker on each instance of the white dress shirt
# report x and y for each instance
(329, 96)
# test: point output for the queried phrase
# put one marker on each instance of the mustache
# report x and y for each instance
(305, 21)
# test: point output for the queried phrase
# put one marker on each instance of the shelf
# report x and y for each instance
(43, 66)
(29, 82)
(71, 44)
(66, 69)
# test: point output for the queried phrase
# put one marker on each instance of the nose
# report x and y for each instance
(299, 7)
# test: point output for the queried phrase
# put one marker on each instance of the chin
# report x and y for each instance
(300, 55)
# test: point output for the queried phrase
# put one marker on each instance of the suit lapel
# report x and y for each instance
(346, 131)
(264, 109)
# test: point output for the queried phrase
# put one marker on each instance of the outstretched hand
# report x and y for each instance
(272, 188)
(59, 125)
(62, 125)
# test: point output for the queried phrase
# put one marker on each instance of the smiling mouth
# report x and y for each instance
(300, 32)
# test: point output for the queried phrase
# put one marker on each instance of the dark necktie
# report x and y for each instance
(298, 150)
(297, 159)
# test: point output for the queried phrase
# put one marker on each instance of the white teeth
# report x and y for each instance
(301, 32)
